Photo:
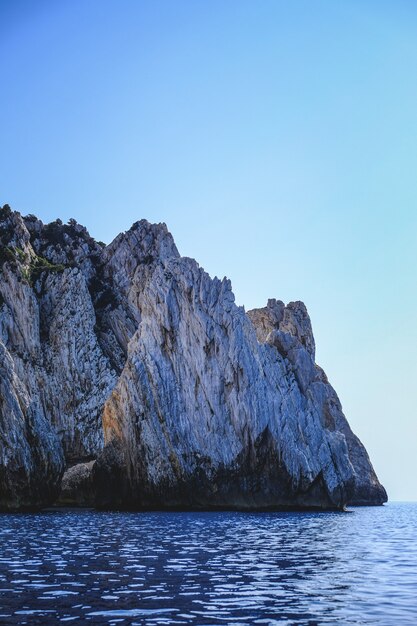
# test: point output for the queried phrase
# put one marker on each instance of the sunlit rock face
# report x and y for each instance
(56, 374)
(219, 408)
(134, 356)
(288, 328)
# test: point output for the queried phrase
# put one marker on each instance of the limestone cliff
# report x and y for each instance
(134, 356)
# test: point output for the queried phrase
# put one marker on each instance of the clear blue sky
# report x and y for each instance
(278, 141)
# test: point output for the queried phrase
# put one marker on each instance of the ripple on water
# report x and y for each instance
(210, 568)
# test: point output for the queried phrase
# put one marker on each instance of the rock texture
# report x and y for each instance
(288, 328)
(134, 356)
(55, 375)
(77, 486)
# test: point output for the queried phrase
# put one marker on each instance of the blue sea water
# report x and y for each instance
(87, 567)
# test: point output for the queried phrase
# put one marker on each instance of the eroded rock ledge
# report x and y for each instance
(130, 368)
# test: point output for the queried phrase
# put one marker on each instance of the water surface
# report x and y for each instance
(210, 568)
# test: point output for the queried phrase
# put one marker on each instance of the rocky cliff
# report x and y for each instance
(127, 367)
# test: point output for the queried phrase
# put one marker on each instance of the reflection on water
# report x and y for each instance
(210, 568)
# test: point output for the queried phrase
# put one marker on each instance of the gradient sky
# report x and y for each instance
(277, 140)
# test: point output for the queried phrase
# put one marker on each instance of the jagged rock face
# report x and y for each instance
(31, 458)
(200, 404)
(288, 328)
(56, 376)
(216, 408)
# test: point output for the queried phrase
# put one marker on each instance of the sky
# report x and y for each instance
(278, 142)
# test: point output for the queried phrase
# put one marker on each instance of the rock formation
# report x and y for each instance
(77, 487)
(134, 356)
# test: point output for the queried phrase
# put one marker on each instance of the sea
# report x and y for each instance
(210, 568)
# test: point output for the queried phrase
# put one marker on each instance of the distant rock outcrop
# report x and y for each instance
(134, 356)
(77, 486)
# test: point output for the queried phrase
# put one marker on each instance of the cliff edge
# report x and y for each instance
(130, 362)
